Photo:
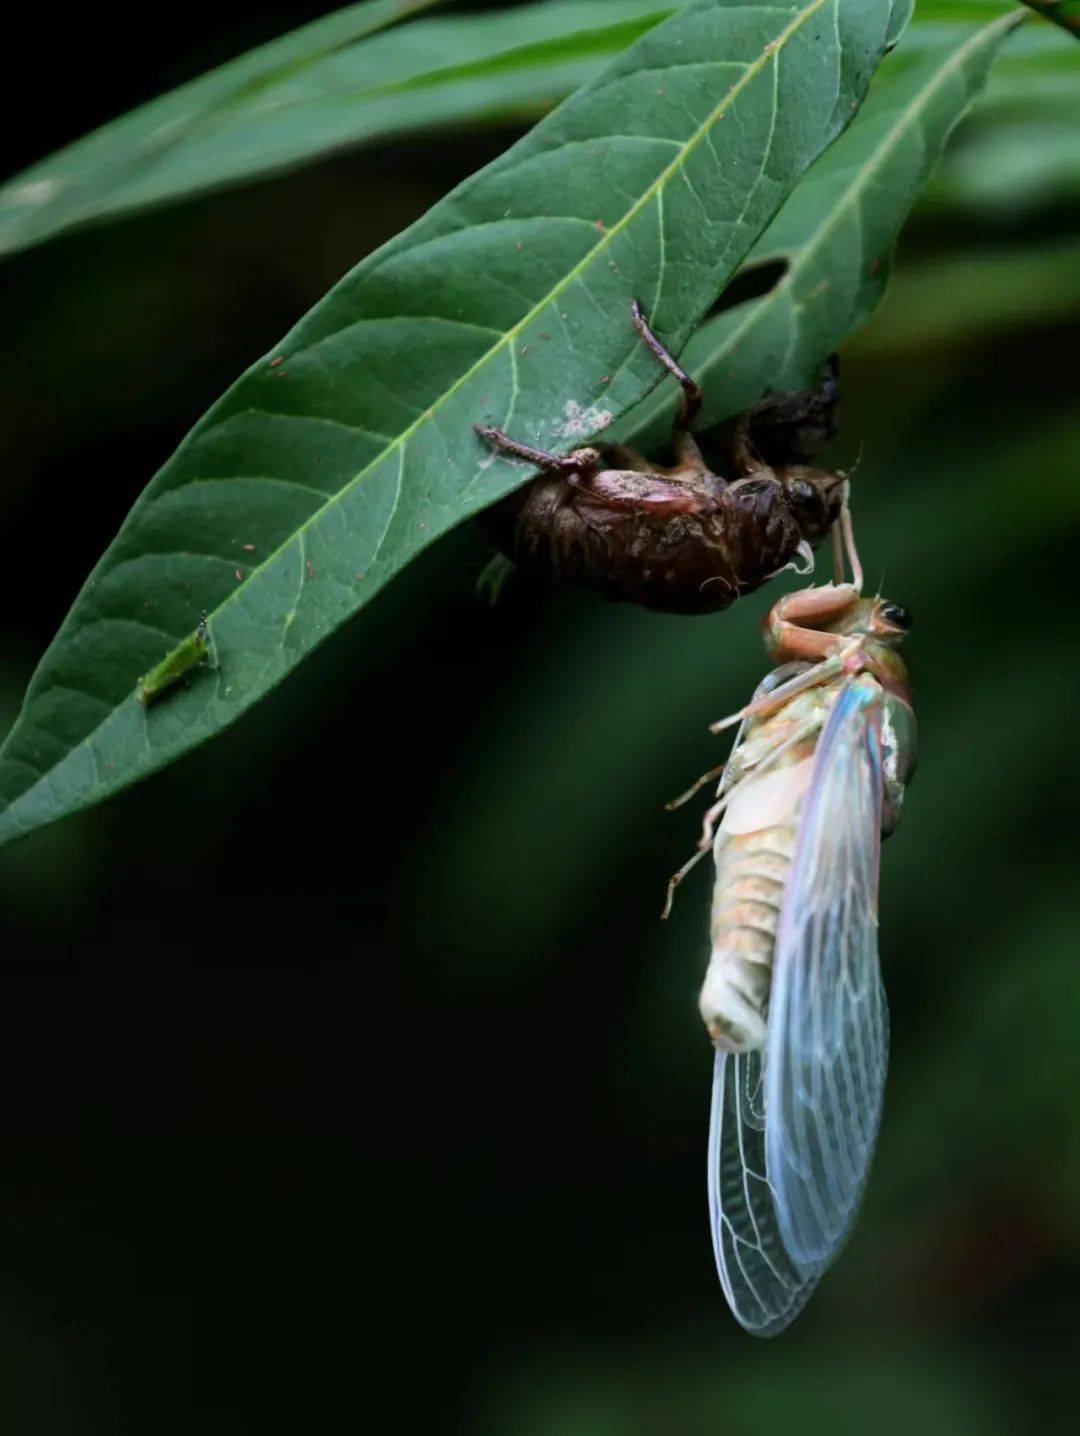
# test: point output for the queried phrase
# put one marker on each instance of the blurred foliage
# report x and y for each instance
(343, 80)
(375, 1094)
(846, 1389)
(1065, 13)
(346, 80)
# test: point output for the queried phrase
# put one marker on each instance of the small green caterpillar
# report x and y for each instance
(193, 653)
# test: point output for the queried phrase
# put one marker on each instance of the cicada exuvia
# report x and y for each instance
(691, 537)
(793, 998)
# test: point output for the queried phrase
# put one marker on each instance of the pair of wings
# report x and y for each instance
(794, 1125)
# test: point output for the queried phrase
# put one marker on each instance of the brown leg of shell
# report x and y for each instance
(691, 403)
(744, 455)
(689, 460)
(580, 461)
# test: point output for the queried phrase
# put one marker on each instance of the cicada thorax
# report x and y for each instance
(686, 538)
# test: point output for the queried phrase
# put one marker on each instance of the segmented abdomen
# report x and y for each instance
(751, 874)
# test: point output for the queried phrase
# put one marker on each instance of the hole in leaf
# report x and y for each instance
(751, 283)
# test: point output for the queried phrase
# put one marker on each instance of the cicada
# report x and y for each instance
(793, 998)
(689, 538)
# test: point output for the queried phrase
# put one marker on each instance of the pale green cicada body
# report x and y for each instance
(792, 998)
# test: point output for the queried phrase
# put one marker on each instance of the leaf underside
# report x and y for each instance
(350, 448)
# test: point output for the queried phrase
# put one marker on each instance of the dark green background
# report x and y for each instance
(349, 1080)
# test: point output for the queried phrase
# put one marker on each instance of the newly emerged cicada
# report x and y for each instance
(689, 538)
(793, 998)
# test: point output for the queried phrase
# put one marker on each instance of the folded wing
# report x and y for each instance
(827, 1042)
(764, 1288)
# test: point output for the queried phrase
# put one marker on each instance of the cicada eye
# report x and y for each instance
(803, 495)
(897, 616)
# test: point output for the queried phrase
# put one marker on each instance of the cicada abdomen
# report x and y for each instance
(753, 850)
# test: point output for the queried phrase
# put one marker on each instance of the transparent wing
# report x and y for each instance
(827, 1043)
(765, 1290)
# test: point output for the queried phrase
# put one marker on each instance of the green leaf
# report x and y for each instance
(835, 235)
(316, 91)
(331, 463)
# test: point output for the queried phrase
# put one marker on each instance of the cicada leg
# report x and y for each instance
(821, 672)
(676, 879)
(692, 396)
(745, 457)
(696, 787)
(580, 461)
(708, 824)
(798, 627)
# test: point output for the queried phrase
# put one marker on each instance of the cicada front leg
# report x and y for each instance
(799, 625)
(809, 626)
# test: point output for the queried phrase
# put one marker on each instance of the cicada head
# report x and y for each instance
(878, 619)
(885, 625)
(814, 498)
(761, 532)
